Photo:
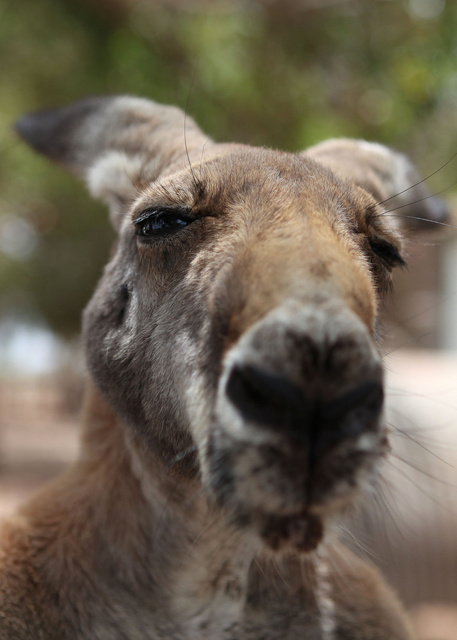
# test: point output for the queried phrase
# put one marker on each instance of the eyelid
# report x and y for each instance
(182, 212)
(382, 243)
(393, 257)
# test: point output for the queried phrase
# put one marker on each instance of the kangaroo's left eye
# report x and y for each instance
(387, 252)
(161, 222)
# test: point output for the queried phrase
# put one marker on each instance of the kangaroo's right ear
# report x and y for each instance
(389, 176)
(114, 143)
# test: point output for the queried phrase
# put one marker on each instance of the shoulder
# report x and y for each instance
(25, 610)
(364, 605)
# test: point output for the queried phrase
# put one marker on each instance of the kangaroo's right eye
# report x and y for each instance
(154, 223)
(388, 253)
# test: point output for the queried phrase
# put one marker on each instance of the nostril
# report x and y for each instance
(352, 414)
(368, 396)
(275, 402)
(265, 397)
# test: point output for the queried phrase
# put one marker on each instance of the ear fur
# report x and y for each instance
(114, 143)
(388, 175)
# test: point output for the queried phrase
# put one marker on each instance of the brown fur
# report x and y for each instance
(234, 412)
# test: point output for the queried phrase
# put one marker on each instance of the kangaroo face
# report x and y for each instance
(235, 326)
(239, 314)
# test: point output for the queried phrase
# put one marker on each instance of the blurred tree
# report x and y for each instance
(285, 73)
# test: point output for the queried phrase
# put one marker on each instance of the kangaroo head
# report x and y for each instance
(235, 327)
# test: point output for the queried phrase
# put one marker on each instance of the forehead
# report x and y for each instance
(257, 180)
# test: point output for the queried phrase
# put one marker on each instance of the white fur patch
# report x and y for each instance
(375, 147)
(367, 442)
(112, 180)
(324, 597)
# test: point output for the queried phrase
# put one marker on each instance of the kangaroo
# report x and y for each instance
(234, 406)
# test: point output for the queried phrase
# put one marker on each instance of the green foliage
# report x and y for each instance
(284, 74)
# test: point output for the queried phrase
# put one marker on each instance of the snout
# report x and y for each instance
(298, 424)
(272, 401)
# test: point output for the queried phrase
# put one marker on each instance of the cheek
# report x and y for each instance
(108, 330)
(133, 365)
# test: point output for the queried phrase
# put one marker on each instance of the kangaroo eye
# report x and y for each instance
(387, 252)
(161, 222)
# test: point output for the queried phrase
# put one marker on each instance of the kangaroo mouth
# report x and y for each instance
(287, 504)
(300, 532)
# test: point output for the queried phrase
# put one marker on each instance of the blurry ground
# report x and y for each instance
(39, 437)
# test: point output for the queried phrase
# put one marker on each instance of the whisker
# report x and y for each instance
(259, 567)
(445, 506)
(420, 470)
(421, 489)
(279, 573)
(194, 179)
(409, 437)
(407, 341)
(434, 396)
(442, 224)
(387, 507)
(364, 549)
(416, 184)
(440, 299)
(201, 533)
(203, 150)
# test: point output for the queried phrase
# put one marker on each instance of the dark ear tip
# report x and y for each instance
(21, 125)
(26, 127)
(44, 132)
(51, 131)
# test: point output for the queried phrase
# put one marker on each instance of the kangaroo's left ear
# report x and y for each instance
(389, 176)
(114, 143)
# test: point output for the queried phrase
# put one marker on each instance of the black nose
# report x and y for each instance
(273, 401)
(266, 398)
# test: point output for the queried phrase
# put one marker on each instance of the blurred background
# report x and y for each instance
(281, 73)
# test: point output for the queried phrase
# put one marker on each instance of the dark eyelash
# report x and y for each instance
(156, 211)
(163, 221)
